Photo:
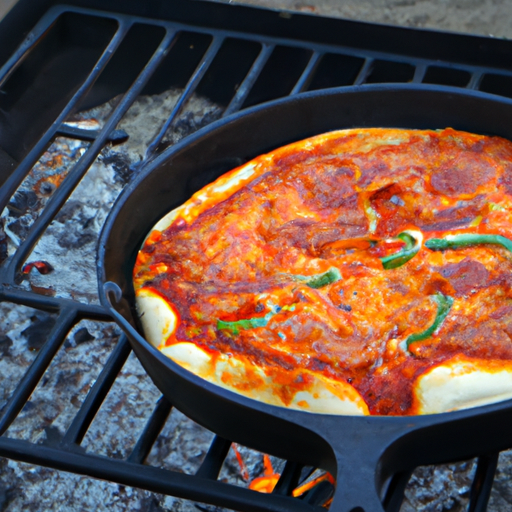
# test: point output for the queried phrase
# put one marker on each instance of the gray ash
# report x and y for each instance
(69, 243)
(16, 340)
(65, 384)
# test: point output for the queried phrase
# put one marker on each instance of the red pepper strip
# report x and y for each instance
(351, 243)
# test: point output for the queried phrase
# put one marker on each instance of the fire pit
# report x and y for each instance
(87, 100)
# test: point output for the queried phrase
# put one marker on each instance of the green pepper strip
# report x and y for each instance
(413, 240)
(251, 323)
(318, 281)
(444, 304)
(248, 323)
(465, 239)
(331, 276)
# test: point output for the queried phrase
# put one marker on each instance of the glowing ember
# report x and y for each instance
(43, 267)
(304, 488)
(268, 481)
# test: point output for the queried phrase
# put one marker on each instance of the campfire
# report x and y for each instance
(73, 396)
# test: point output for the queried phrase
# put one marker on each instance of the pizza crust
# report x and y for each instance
(463, 383)
(224, 186)
(158, 319)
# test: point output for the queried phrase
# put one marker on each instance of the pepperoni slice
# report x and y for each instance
(462, 175)
(466, 275)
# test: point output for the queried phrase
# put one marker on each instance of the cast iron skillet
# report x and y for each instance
(363, 452)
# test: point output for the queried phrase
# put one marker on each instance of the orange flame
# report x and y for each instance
(268, 481)
(243, 468)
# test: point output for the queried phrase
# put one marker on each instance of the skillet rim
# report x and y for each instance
(295, 416)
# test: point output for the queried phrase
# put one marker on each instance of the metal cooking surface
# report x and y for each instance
(72, 396)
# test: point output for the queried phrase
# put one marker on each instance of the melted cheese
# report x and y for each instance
(355, 330)
(324, 395)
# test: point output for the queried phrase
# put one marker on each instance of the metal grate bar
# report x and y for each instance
(305, 79)
(395, 491)
(318, 46)
(187, 92)
(29, 381)
(97, 393)
(364, 72)
(289, 479)
(419, 73)
(482, 482)
(71, 181)
(245, 87)
(116, 136)
(212, 463)
(15, 179)
(474, 81)
(55, 304)
(151, 431)
(153, 479)
(29, 42)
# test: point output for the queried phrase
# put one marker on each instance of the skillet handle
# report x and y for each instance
(356, 489)
(366, 460)
(113, 292)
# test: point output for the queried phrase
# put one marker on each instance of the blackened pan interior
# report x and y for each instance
(176, 174)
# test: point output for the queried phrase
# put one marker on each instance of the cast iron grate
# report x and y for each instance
(80, 55)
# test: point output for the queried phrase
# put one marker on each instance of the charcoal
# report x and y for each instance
(37, 333)
(5, 345)
(5, 497)
(20, 227)
(22, 202)
(150, 505)
(83, 336)
(53, 436)
(43, 267)
(71, 240)
(47, 188)
(29, 406)
(68, 211)
(121, 166)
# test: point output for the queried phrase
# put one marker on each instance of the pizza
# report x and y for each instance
(357, 272)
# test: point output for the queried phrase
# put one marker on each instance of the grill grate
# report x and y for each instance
(237, 57)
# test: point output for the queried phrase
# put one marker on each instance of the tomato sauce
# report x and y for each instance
(246, 257)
